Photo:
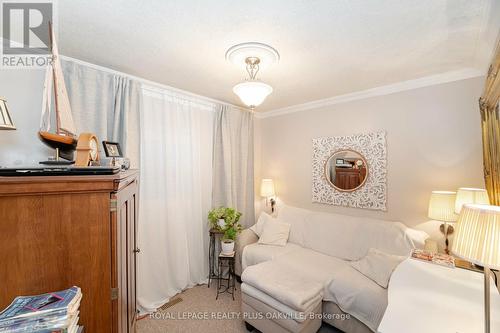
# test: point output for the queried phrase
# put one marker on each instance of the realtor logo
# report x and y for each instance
(25, 33)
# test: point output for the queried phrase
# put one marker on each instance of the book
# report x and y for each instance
(435, 258)
(55, 312)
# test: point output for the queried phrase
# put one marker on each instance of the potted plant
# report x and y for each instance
(222, 218)
(227, 241)
(217, 218)
(226, 219)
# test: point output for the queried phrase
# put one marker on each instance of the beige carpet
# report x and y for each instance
(200, 301)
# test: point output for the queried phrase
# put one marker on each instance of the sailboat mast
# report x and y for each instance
(54, 78)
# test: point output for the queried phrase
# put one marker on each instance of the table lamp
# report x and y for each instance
(442, 208)
(477, 240)
(267, 191)
(467, 195)
(5, 119)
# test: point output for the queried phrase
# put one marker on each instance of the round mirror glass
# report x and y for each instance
(346, 170)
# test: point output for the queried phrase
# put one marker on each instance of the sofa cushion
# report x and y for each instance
(275, 233)
(350, 238)
(359, 296)
(297, 218)
(255, 253)
(258, 227)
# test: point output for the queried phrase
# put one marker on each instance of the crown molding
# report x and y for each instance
(426, 81)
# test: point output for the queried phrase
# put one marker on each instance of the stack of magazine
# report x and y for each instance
(55, 312)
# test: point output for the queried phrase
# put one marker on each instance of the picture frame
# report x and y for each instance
(112, 149)
(6, 122)
(339, 161)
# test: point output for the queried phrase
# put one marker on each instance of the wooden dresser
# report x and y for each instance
(60, 231)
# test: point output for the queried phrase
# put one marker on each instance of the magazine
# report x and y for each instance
(435, 258)
(55, 312)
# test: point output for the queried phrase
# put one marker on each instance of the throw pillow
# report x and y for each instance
(258, 227)
(275, 233)
(378, 266)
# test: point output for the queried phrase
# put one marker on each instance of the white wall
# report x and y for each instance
(433, 143)
(23, 90)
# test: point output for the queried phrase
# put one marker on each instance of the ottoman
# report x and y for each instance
(275, 300)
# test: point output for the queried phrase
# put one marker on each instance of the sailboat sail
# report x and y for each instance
(65, 124)
(47, 101)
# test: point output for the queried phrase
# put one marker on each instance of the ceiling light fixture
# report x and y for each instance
(252, 56)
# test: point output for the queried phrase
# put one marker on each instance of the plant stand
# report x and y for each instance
(213, 248)
(226, 261)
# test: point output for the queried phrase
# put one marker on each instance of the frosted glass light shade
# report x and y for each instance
(442, 206)
(477, 235)
(467, 195)
(252, 92)
(267, 188)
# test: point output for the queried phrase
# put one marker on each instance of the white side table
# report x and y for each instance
(424, 297)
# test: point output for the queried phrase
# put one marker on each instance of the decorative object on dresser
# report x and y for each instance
(6, 122)
(267, 191)
(442, 208)
(113, 151)
(350, 171)
(478, 240)
(87, 150)
(63, 140)
(78, 230)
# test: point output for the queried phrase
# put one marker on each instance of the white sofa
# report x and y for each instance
(319, 249)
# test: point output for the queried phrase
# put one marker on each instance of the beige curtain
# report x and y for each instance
(490, 122)
(233, 162)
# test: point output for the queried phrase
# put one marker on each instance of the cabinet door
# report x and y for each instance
(124, 231)
(132, 252)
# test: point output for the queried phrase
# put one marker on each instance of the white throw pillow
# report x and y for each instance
(275, 233)
(378, 266)
(258, 227)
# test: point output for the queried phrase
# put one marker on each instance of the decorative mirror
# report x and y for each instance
(350, 171)
(346, 170)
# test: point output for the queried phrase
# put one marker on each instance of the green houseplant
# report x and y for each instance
(226, 219)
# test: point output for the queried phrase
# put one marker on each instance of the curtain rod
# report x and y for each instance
(152, 83)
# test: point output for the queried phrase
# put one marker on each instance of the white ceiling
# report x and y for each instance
(327, 47)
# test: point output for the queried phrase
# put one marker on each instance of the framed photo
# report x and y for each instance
(339, 161)
(112, 149)
(5, 119)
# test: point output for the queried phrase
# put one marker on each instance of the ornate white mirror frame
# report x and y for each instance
(372, 194)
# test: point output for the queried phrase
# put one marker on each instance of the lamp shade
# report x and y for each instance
(442, 206)
(466, 195)
(477, 235)
(267, 188)
(252, 92)
(5, 119)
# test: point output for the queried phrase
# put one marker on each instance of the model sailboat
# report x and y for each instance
(63, 139)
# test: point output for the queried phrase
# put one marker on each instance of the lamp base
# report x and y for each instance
(446, 230)
(273, 203)
(487, 274)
